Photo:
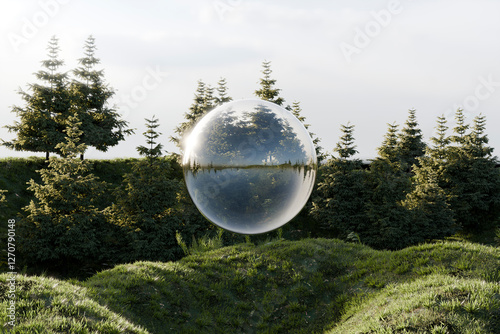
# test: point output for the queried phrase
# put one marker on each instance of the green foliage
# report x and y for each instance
(204, 244)
(204, 101)
(389, 223)
(464, 168)
(346, 148)
(2, 196)
(101, 125)
(430, 214)
(339, 201)
(410, 145)
(42, 119)
(64, 226)
(154, 151)
(267, 92)
(296, 110)
(145, 204)
(389, 148)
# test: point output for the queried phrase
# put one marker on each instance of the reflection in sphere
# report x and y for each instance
(249, 166)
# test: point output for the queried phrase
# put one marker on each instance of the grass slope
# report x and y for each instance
(307, 286)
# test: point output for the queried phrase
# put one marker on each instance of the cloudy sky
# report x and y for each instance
(363, 62)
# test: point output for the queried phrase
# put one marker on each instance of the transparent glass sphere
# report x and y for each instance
(249, 166)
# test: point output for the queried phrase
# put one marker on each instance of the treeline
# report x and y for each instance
(411, 193)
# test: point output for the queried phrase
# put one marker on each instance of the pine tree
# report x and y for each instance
(388, 184)
(64, 225)
(346, 148)
(42, 119)
(101, 125)
(296, 111)
(222, 92)
(267, 91)
(432, 217)
(339, 202)
(154, 151)
(464, 168)
(389, 148)
(410, 145)
(460, 129)
(196, 111)
(440, 142)
(474, 182)
(145, 204)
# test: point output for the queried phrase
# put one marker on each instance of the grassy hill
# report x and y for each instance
(308, 286)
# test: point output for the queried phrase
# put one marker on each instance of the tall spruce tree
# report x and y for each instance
(267, 91)
(339, 202)
(101, 124)
(64, 225)
(46, 108)
(410, 144)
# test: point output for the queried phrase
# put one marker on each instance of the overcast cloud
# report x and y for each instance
(364, 62)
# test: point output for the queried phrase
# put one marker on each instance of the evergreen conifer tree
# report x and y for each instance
(222, 92)
(204, 101)
(101, 125)
(339, 202)
(388, 184)
(389, 148)
(410, 145)
(145, 204)
(64, 224)
(430, 213)
(474, 182)
(389, 223)
(42, 119)
(267, 92)
(296, 110)
(154, 150)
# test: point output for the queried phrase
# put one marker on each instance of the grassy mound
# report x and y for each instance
(435, 304)
(307, 286)
(46, 305)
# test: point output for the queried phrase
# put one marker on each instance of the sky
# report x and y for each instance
(347, 61)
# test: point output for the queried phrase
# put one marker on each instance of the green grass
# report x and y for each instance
(307, 286)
